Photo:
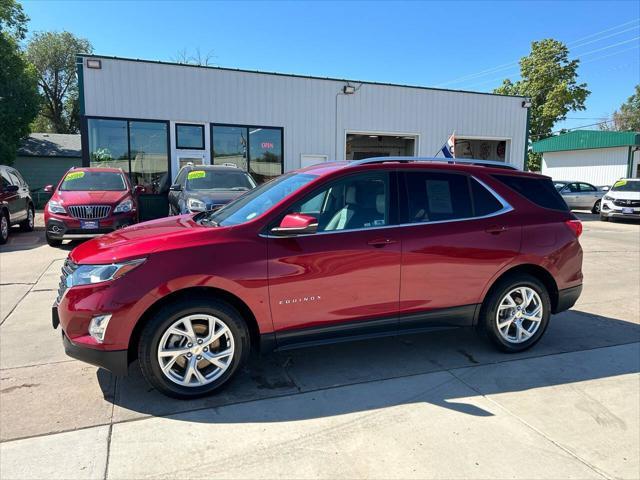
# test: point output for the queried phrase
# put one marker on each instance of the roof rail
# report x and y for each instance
(451, 161)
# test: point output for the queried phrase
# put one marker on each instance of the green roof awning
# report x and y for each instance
(585, 139)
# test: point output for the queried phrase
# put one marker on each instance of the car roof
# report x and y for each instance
(461, 165)
(96, 169)
(227, 168)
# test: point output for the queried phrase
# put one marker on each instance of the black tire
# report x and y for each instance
(5, 226)
(488, 312)
(164, 318)
(28, 224)
(596, 207)
(53, 242)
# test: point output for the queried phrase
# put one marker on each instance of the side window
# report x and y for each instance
(4, 178)
(585, 187)
(433, 196)
(356, 202)
(21, 181)
(573, 188)
(484, 202)
(538, 190)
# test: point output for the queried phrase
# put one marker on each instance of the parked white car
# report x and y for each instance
(622, 200)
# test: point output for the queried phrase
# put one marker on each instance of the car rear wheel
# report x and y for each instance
(516, 313)
(191, 348)
(28, 224)
(596, 208)
(4, 227)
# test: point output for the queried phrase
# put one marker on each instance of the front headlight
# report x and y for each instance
(196, 205)
(124, 206)
(607, 197)
(89, 274)
(55, 207)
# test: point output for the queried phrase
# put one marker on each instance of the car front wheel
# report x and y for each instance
(516, 313)
(596, 207)
(191, 348)
(28, 224)
(4, 227)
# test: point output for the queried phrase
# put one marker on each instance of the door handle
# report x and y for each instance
(381, 242)
(496, 229)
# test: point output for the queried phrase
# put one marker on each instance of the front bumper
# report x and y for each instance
(610, 210)
(60, 227)
(567, 298)
(116, 361)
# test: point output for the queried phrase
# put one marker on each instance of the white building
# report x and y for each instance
(596, 157)
(152, 117)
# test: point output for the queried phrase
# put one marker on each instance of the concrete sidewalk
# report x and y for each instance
(443, 405)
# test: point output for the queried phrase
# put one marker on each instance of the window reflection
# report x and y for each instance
(230, 146)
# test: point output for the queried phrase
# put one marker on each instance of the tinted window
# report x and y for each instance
(573, 188)
(585, 187)
(356, 202)
(484, 202)
(93, 181)
(233, 179)
(537, 190)
(190, 136)
(436, 196)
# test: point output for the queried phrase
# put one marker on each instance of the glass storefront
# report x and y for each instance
(189, 137)
(257, 150)
(140, 148)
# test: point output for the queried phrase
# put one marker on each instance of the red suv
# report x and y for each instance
(89, 202)
(327, 253)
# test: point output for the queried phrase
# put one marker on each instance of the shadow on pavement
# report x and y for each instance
(401, 360)
(22, 241)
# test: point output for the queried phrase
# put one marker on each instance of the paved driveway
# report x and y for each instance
(441, 405)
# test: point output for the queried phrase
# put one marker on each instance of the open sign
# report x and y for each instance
(266, 144)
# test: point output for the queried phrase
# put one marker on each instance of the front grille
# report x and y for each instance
(89, 212)
(626, 203)
(67, 269)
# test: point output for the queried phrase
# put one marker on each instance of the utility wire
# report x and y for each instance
(504, 66)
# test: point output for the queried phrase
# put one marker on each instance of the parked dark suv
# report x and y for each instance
(16, 204)
(199, 188)
(331, 252)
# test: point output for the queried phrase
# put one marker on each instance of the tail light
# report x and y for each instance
(575, 226)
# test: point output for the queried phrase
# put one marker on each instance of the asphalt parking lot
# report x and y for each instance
(439, 405)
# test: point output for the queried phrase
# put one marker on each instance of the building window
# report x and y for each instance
(189, 137)
(258, 150)
(140, 148)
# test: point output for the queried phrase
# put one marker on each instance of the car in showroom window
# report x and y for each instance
(329, 253)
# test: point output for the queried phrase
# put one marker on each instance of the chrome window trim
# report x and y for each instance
(506, 208)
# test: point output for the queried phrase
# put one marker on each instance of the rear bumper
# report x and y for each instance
(116, 361)
(567, 298)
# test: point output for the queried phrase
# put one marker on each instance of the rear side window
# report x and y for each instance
(484, 203)
(433, 197)
(537, 190)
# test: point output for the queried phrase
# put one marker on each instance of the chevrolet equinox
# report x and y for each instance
(332, 252)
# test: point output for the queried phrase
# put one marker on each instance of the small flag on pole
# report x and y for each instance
(449, 148)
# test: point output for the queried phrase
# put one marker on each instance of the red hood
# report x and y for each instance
(90, 198)
(144, 238)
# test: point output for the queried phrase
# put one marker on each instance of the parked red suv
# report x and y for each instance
(89, 202)
(341, 250)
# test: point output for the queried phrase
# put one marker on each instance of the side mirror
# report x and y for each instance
(11, 188)
(138, 189)
(176, 187)
(48, 189)
(296, 224)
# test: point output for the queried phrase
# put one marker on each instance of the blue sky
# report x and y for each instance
(459, 45)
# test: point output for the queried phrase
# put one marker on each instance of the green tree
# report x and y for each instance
(19, 99)
(628, 117)
(549, 79)
(53, 55)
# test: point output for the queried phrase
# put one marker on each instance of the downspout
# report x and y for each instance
(84, 139)
(526, 134)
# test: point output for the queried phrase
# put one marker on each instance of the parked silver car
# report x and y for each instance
(580, 195)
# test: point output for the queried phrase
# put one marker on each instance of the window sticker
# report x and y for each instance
(196, 174)
(439, 196)
(73, 176)
(620, 183)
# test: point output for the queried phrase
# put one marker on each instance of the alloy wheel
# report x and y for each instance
(196, 350)
(30, 219)
(519, 315)
(4, 227)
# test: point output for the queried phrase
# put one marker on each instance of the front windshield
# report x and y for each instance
(626, 186)
(85, 181)
(257, 201)
(219, 180)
